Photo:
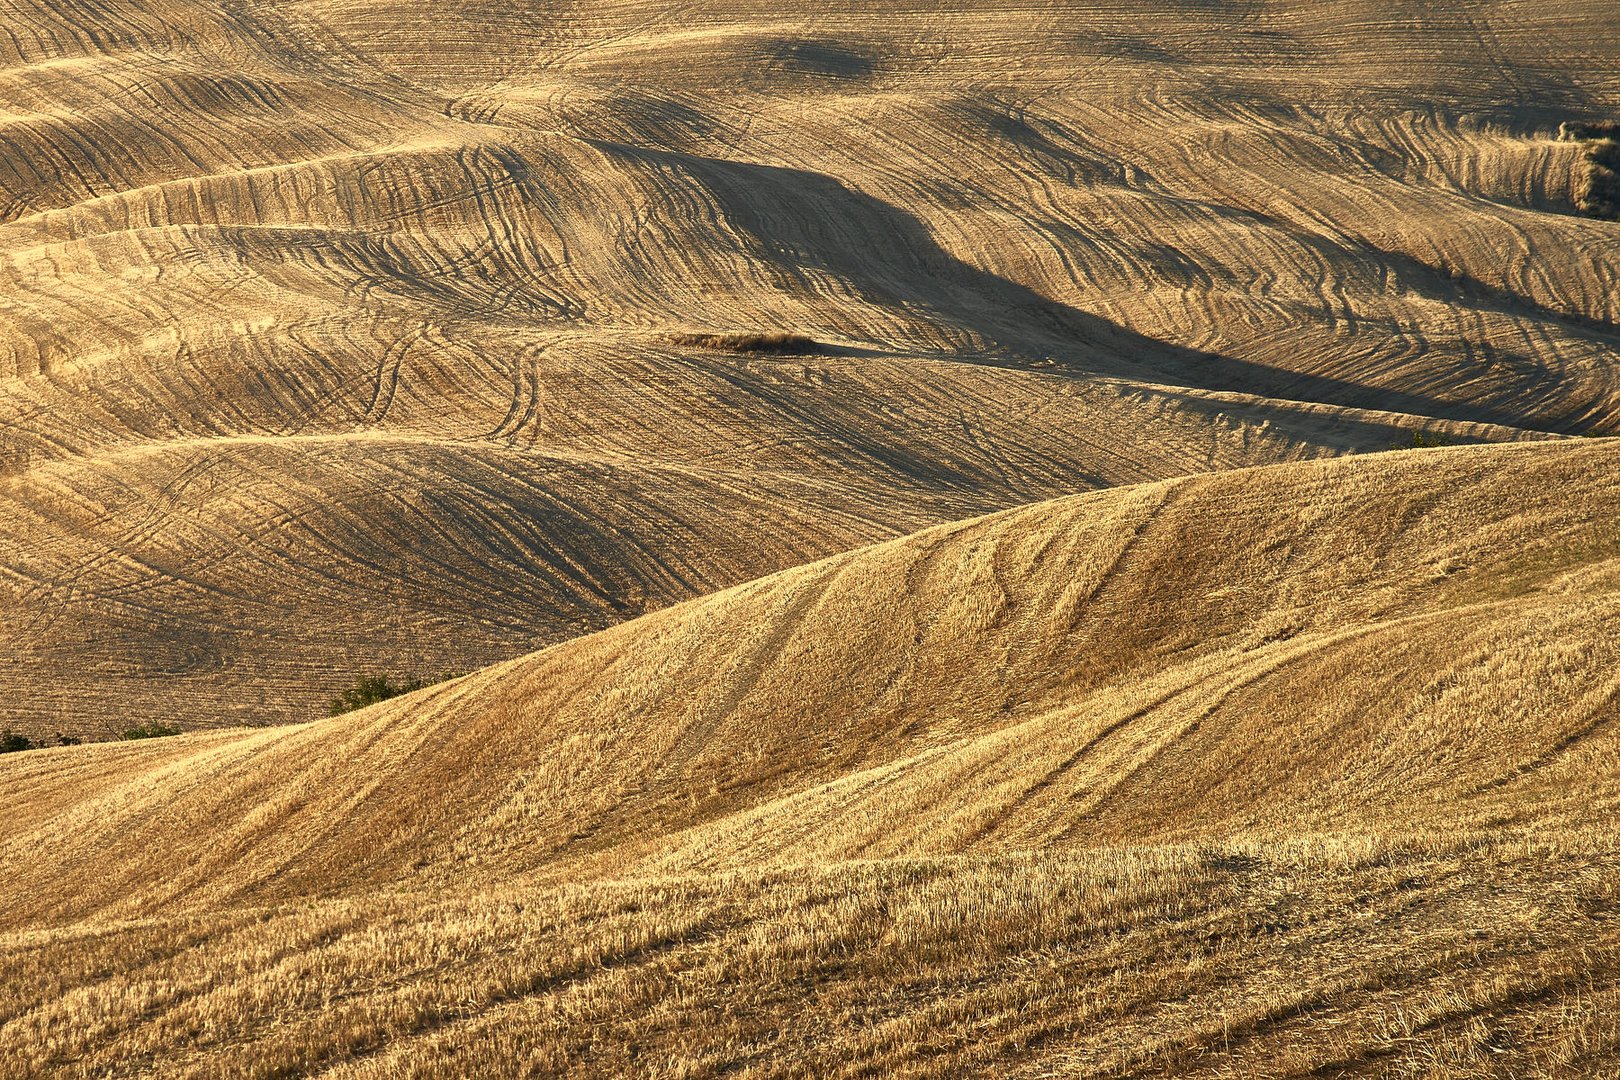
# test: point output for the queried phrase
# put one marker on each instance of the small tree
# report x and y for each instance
(370, 689)
(367, 690)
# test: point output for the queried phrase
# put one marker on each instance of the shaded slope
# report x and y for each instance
(247, 579)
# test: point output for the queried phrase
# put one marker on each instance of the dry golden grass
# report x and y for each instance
(1333, 639)
(332, 333)
(1464, 960)
(1311, 769)
(344, 337)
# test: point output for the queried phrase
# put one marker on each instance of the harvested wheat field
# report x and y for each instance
(1017, 538)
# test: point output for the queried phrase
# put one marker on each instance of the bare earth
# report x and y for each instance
(918, 488)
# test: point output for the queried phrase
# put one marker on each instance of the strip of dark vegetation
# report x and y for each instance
(13, 741)
(1576, 131)
(1424, 440)
(149, 731)
(370, 689)
(1597, 191)
(750, 342)
(367, 690)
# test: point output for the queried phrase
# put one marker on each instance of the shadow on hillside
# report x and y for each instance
(804, 227)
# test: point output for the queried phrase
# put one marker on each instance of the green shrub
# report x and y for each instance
(1422, 440)
(150, 731)
(370, 689)
(11, 742)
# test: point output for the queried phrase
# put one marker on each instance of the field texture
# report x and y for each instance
(1301, 770)
(1016, 539)
(351, 338)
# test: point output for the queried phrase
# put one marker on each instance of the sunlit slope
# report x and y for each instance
(1405, 643)
(1458, 957)
(1301, 770)
(1047, 247)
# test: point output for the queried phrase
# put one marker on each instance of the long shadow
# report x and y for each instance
(808, 226)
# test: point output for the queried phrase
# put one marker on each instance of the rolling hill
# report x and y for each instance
(366, 265)
(1118, 756)
(1019, 539)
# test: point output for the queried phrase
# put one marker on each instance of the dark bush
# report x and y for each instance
(1597, 187)
(1422, 440)
(1577, 131)
(68, 740)
(150, 731)
(747, 342)
(1598, 192)
(11, 742)
(370, 689)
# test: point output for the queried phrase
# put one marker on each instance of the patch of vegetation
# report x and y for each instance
(1424, 440)
(1576, 131)
(749, 342)
(11, 742)
(150, 731)
(370, 689)
(1597, 191)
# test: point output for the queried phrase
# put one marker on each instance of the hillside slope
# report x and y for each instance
(1317, 646)
(248, 579)
(1354, 718)
(452, 257)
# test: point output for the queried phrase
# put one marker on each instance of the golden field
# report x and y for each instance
(1311, 768)
(351, 337)
(1007, 539)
